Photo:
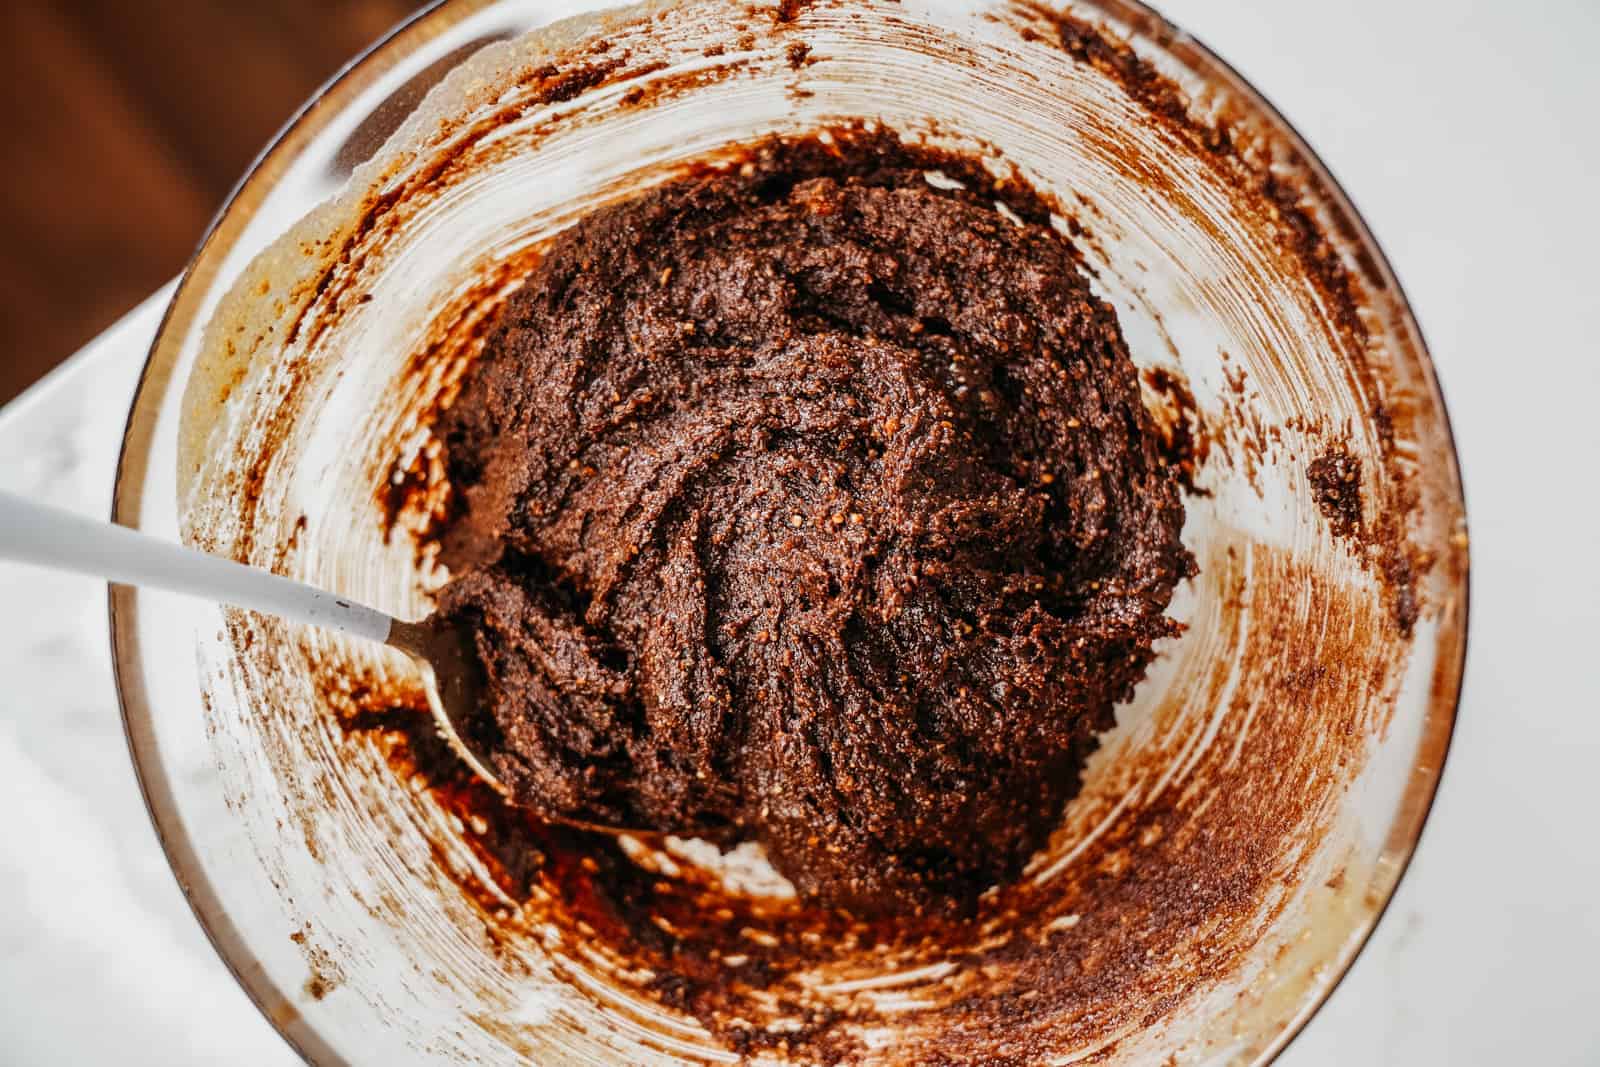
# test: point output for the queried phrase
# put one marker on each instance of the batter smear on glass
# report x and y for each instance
(808, 501)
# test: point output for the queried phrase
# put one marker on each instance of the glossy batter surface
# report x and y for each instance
(807, 501)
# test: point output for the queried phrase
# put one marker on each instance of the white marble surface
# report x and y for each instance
(1473, 150)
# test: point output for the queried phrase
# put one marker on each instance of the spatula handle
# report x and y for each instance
(47, 537)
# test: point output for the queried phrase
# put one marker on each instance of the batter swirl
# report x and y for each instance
(806, 501)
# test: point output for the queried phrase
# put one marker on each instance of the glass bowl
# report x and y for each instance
(1238, 833)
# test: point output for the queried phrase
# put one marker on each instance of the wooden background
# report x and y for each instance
(127, 123)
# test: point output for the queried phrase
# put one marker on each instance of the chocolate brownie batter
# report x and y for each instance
(808, 501)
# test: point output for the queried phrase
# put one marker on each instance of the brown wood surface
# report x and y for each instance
(128, 122)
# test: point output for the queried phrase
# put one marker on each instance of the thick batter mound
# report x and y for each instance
(806, 501)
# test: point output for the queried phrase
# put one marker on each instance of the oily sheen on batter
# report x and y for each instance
(806, 501)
